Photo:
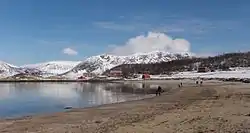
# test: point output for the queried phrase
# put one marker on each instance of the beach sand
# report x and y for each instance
(215, 106)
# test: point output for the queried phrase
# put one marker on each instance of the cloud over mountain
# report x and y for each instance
(153, 41)
(69, 51)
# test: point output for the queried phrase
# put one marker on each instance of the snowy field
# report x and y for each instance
(241, 73)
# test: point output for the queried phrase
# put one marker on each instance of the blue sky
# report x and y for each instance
(34, 31)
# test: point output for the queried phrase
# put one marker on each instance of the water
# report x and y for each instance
(22, 99)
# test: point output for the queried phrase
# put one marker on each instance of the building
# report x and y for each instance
(115, 73)
(145, 76)
(203, 69)
(82, 78)
(101, 77)
(88, 75)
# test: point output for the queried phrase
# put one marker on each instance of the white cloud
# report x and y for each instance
(151, 42)
(69, 51)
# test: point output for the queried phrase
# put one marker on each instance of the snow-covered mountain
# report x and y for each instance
(42, 69)
(95, 64)
(53, 67)
(8, 69)
(101, 63)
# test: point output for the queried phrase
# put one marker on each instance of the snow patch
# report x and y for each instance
(54, 67)
(241, 73)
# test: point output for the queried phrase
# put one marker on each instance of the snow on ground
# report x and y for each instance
(73, 75)
(54, 67)
(219, 74)
(241, 73)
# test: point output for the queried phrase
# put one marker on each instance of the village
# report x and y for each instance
(118, 74)
(114, 75)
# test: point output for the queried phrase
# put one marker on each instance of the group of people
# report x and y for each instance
(201, 82)
(159, 90)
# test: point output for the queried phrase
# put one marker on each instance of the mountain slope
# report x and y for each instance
(53, 67)
(101, 63)
(220, 63)
(95, 64)
(8, 70)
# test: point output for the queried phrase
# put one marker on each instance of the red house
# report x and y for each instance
(115, 73)
(145, 76)
(82, 78)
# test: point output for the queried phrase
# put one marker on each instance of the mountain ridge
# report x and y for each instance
(101, 63)
(94, 64)
(157, 63)
(53, 67)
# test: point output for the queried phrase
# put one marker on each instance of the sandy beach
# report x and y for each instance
(215, 106)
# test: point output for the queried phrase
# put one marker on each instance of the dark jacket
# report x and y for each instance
(159, 89)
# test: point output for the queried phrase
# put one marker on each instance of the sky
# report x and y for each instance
(33, 31)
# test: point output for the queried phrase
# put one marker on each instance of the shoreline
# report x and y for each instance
(78, 109)
(54, 80)
(191, 108)
(243, 80)
(148, 96)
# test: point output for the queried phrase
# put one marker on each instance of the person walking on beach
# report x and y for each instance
(201, 82)
(158, 91)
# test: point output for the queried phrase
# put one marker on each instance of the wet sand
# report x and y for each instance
(214, 107)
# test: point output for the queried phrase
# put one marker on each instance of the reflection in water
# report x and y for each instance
(18, 99)
(5, 91)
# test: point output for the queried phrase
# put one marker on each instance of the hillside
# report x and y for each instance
(53, 67)
(221, 62)
(156, 62)
(8, 70)
(47, 69)
(101, 63)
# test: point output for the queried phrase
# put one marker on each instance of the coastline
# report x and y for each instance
(152, 80)
(53, 80)
(191, 108)
(148, 96)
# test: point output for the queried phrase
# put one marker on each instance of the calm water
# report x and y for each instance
(22, 99)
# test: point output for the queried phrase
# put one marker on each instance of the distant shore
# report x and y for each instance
(53, 80)
(244, 80)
